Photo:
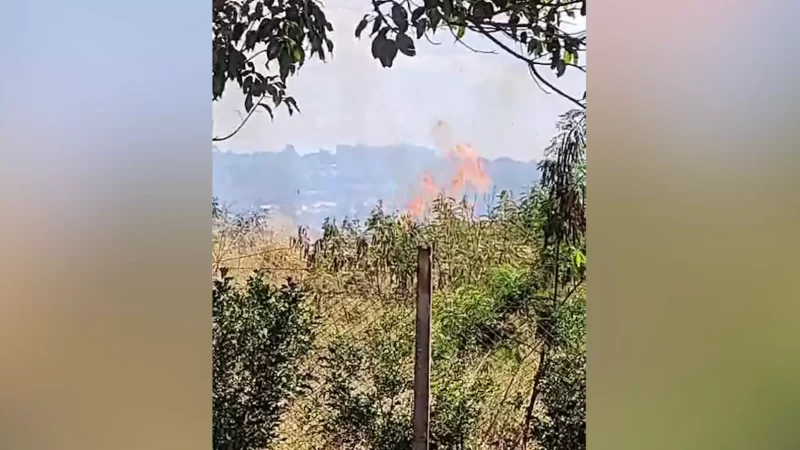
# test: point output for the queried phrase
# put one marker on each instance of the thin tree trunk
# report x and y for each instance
(540, 369)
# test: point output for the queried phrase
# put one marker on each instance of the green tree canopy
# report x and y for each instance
(287, 32)
(532, 31)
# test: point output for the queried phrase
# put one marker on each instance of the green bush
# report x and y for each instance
(260, 335)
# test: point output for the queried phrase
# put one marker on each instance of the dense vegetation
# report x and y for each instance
(260, 333)
(326, 360)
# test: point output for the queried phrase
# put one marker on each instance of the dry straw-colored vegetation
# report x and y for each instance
(508, 322)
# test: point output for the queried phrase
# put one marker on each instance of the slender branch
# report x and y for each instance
(581, 68)
(430, 41)
(537, 379)
(572, 291)
(255, 54)
(460, 41)
(255, 106)
(537, 81)
(512, 5)
(532, 66)
(506, 392)
(502, 26)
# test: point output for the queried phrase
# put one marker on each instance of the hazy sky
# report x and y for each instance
(489, 100)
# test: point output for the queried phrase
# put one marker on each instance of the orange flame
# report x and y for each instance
(469, 171)
(428, 191)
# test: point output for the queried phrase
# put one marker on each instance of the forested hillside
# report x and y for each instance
(348, 182)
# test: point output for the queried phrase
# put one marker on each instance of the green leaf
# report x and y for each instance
(461, 31)
(405, 45)
(447, 7)
(235, 63)
(292, 104)
(238, 31)
(248, 102)
(269, 110)
(218, 85)
(435, 17)
(421, 26)
(387, 51)
(376, 24)
(361, 26)
(567, 57)
(259, 88)
(265, 28)
(580, 259)
(400, 17)
(539, 51)
(561, 67)
(284, 63)
(272, 49)
(271, 91)
(376, 46)
(417, 13)
(250, 39)
(482, 10)
(298, 54)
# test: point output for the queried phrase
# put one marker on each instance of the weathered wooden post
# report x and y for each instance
(422, 357)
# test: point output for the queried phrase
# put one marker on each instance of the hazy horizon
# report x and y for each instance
(335, 148)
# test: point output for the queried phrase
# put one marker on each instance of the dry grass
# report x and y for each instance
(350, 308)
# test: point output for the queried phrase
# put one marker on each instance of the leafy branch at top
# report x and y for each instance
(531, 31)
(251, 39)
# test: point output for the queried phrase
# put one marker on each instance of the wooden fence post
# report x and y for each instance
(422, 357)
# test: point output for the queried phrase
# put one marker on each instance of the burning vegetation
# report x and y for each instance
(467, 169)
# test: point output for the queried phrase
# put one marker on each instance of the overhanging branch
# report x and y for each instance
(246, 118)
(530, 62)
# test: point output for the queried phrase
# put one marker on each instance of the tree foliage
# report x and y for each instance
(562, 213)
(284, 33)
(289, 32)
(561, 421)
(531, 31)
(260, 335)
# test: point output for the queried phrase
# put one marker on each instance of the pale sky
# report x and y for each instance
(489, 100)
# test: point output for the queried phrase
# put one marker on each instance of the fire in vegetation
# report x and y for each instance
(468, 172)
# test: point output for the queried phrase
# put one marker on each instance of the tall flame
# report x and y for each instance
(469, 171)
(428, 190)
